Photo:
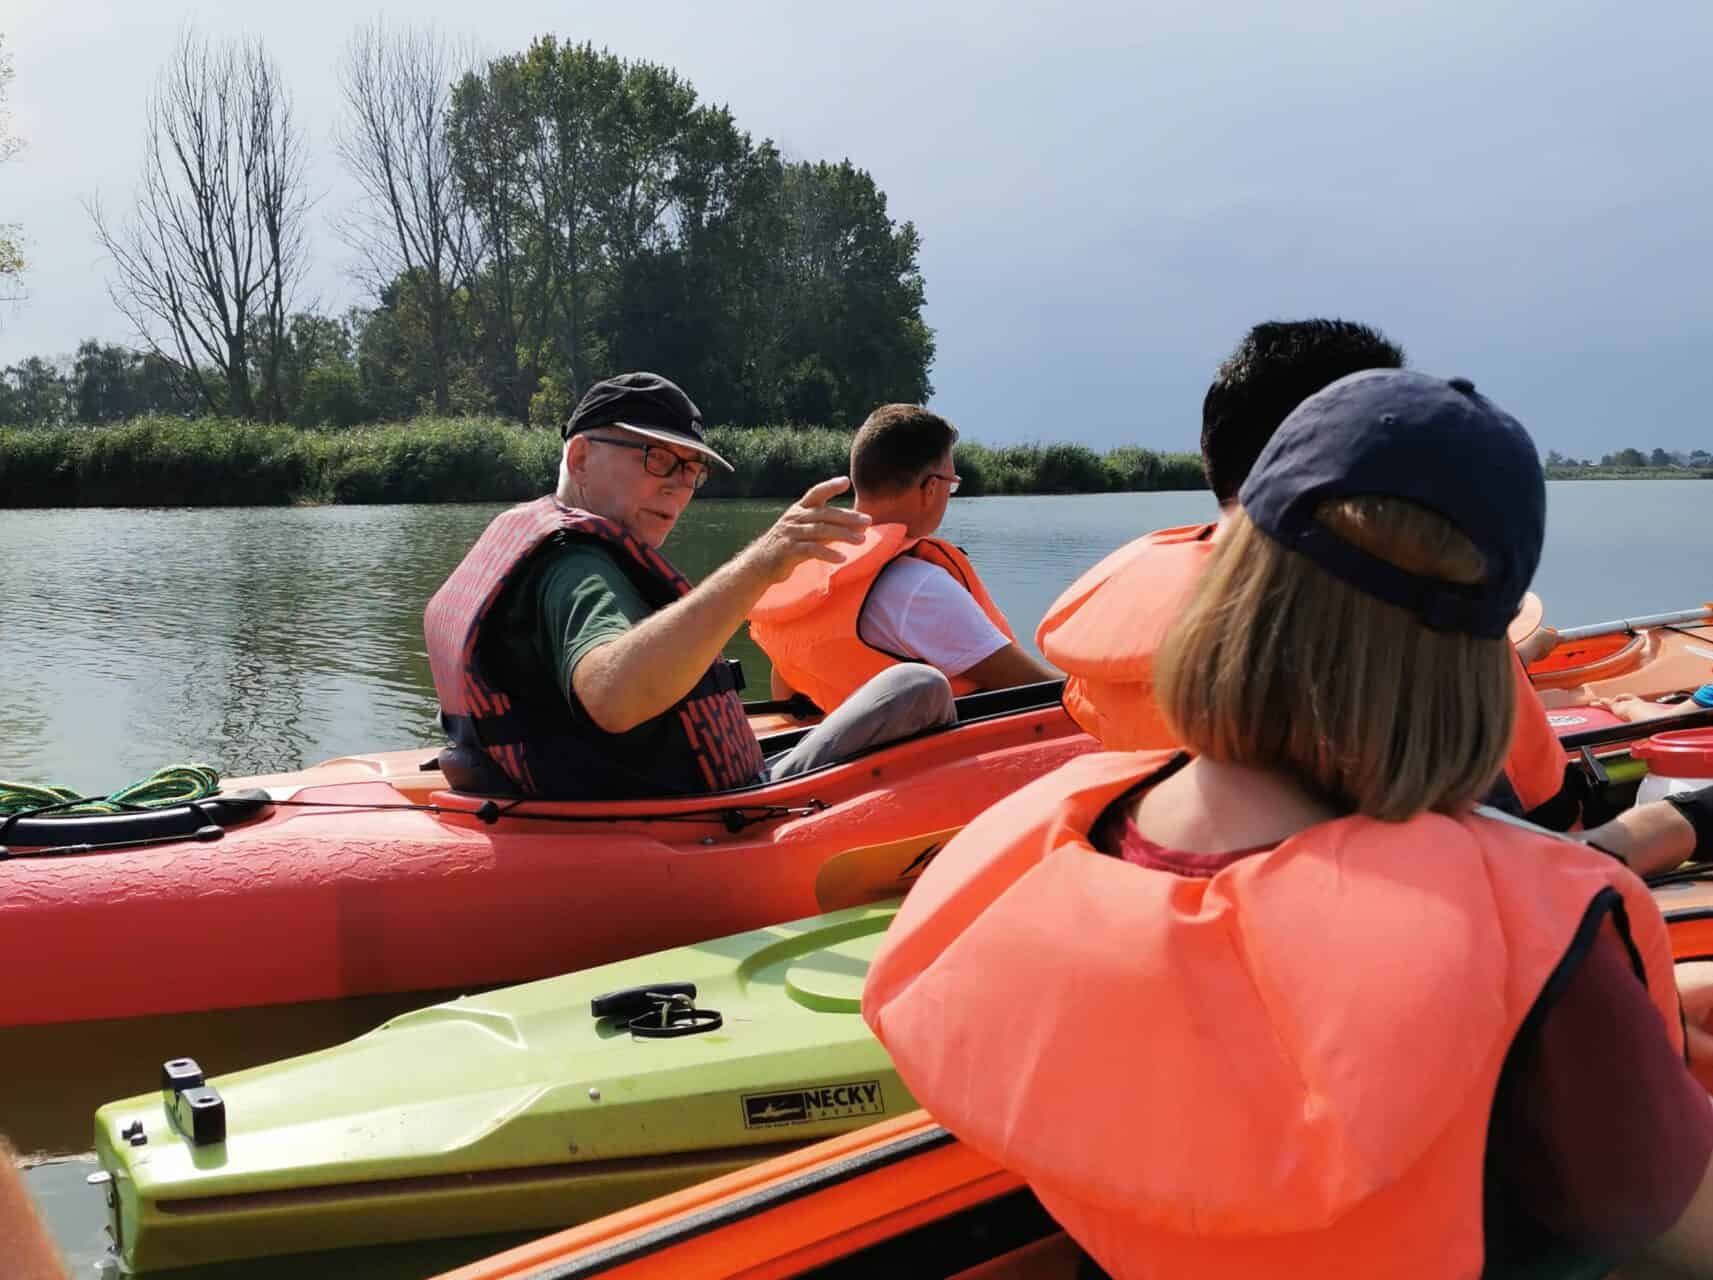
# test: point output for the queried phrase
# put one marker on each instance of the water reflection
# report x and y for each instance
(264, 639)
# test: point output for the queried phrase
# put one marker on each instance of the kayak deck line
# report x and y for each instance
(570, 1172)
(753, 1203)
(847, 1202)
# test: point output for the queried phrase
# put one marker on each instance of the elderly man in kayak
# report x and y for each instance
(901, 595)
(573, 661)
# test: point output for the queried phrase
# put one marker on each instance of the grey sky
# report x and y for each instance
(1108, 194)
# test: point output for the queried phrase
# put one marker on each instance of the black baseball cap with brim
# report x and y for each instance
(647, 404)
(1435, 442)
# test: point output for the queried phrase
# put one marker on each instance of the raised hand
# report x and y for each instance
(807, 531)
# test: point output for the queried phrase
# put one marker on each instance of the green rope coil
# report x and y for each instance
(175, 784)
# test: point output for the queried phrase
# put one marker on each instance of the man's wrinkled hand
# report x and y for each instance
(808, 530)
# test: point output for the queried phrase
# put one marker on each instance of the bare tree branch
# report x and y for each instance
(207, 265)
(11, 253)
(412, 227)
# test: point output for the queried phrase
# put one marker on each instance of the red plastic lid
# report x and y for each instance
(1687, 753)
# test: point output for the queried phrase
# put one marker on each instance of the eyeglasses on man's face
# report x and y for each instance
(952, 480)
(660, 461)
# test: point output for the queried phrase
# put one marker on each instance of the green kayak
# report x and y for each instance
(536, 1106)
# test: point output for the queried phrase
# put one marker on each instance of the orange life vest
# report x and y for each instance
(1104, 630)
(1286, 1068)
(807, 625)
(1535, 762)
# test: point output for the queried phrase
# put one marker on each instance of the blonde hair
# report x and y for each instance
(1277, 664)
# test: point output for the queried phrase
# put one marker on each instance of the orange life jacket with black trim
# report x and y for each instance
(538, 747)
(1285, 1068)
(1105, 629)
(808, 624)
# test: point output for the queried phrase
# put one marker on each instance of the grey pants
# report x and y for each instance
(900, 701)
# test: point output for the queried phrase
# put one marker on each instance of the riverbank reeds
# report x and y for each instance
(173, 462)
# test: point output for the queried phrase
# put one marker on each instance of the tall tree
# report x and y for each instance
(625, 226)
(39, 395)
(851, 310)
(413, 226)
(110, 383)
(11, 253)
(489, 129)
(208, 263)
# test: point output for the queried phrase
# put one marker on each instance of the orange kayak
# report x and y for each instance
(881, 1201)
(365, 876)
(1648, 661)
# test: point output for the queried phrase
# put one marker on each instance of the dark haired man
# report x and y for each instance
(572, 660)
(901, 595)
(1278, 365)
(1135, 592)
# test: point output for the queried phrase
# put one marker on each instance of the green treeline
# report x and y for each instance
(524, 227)
(1632, 464)
(169, 461)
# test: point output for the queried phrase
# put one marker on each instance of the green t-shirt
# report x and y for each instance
(573, 597)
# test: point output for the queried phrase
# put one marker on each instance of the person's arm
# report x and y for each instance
(1687, 1248)
(1627, 706)
(1009, 666)
(1650, 838)
(24, 1244)
(640, 674)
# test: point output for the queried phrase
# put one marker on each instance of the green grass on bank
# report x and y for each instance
(172, 462)
(1628, 473)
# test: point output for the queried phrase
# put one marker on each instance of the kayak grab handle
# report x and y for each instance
(659, 1011)
(627, 1002)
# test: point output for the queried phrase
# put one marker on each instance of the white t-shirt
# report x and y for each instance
(919, 610)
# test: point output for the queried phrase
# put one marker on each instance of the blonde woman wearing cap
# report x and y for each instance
(1288, 1005)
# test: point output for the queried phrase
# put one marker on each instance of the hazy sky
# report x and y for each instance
(1108, 195)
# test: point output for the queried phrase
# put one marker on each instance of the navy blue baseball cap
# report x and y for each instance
(1440, 444)
(647, 404)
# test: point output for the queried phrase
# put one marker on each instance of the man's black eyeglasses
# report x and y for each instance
(660, 461)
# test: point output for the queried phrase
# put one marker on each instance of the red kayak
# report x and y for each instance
(366, 876)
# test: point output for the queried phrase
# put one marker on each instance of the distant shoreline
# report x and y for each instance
(1629, 473)
(219, 462)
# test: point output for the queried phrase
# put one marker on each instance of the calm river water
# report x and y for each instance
(266, 639)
